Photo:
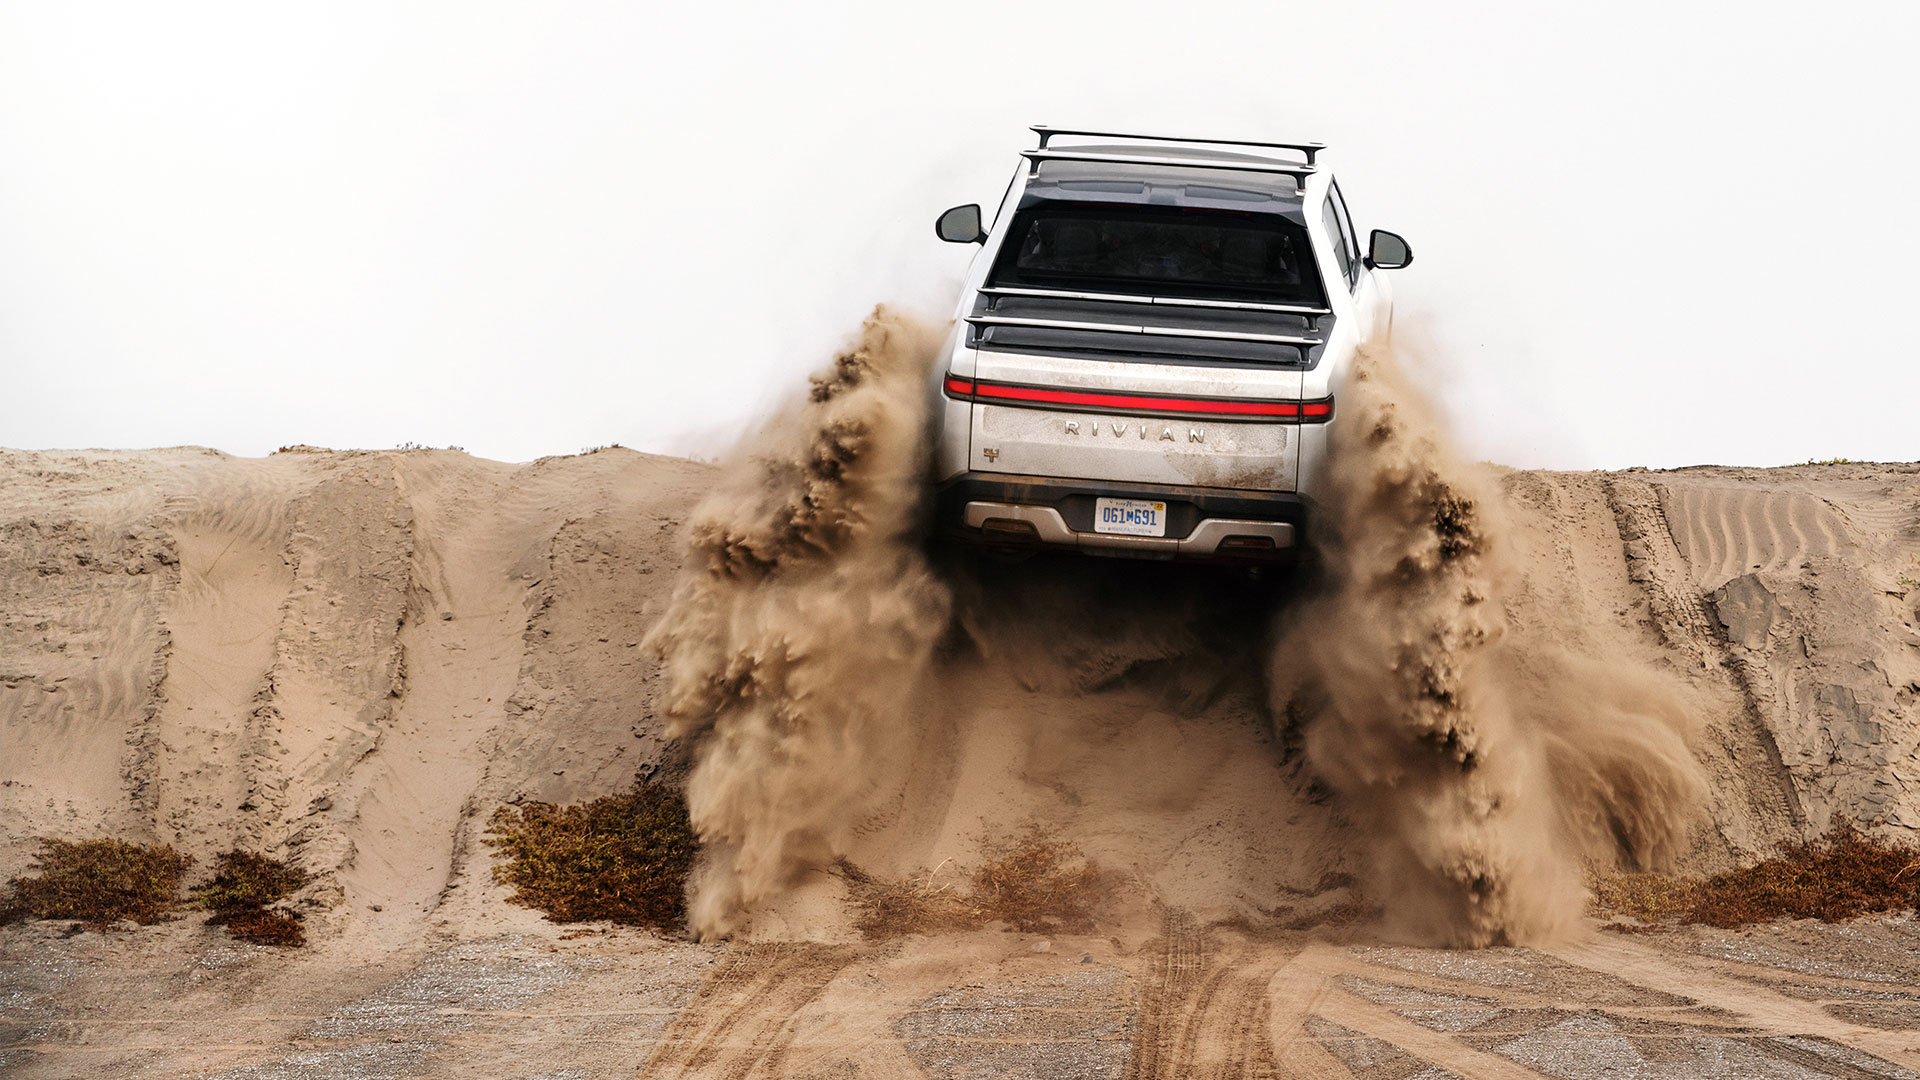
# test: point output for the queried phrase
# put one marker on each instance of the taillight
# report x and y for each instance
(1153, 404)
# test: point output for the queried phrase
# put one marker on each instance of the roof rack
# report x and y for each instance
(987, 322)
(1307, 148)
(1298, 172)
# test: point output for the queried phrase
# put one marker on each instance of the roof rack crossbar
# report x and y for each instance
(1298, 172)
(984, 322)
(1156, 301)
(1307, 148)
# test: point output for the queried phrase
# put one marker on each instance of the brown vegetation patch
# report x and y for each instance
(245, 880)
(624, 858)
(1842, 875)
(1041, 886)
(1034, 885)
(98, 882)
(918, 905)
(1653, 897)
(240, 894)
(263, 926)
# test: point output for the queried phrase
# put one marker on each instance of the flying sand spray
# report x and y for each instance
(807, 618)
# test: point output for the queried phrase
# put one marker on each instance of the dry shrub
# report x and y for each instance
(1040, 886)
(245, 880)
(98, 882)
(1653, 897)
(263, 926)
(1839, 876)
(914, 906)
(1034, 885)
(240, 893)
(1842, 875)
(624, 858)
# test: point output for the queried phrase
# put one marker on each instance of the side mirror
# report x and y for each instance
(961, 225)
(1387, 251)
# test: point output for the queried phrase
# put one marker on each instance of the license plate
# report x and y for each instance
(1130, 517)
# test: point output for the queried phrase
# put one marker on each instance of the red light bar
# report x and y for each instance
(972, 390)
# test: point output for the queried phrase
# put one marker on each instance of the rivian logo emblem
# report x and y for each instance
(1106, 429)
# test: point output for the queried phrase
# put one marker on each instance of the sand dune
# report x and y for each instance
(350, 659)
(341, 657)
(1808, 572)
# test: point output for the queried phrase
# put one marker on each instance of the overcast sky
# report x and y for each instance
(1647, 234)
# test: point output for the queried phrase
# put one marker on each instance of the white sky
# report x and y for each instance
(1647, 234)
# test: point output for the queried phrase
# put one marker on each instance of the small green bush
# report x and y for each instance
(98, 882)
(240, 892)
(243, 880)
(624, 858)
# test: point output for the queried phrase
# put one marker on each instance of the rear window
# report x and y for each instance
(1220, 254)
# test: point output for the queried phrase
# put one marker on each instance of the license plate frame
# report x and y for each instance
(1129, 517)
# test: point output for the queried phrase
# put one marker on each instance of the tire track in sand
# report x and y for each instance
(1746, 1001)
(740, 1023)
(1203, 1013)
(1659, 563)
(1307, 986)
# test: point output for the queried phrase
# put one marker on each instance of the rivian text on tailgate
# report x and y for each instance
(1119, 429)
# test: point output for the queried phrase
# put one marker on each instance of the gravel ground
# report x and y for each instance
(178, 1000)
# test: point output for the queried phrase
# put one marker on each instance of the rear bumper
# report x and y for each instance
(1203, 524)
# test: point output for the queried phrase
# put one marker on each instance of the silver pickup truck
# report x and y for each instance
(1150, 345)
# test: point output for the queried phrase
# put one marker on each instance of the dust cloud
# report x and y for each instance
(814, 661)
(803, 624)
(1483, 771)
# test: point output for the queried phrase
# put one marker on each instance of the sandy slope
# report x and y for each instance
(352, 658)
(1788, 599)
(344, 657)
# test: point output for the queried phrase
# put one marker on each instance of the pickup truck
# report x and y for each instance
(1149, 347)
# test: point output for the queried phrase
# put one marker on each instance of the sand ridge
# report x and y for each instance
(343, 658)
(351, 658)
(327, 652)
